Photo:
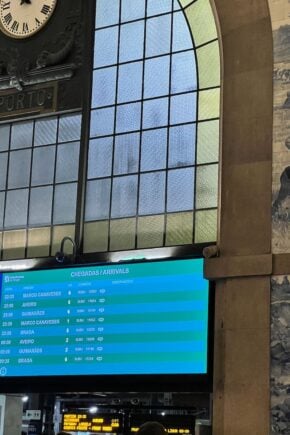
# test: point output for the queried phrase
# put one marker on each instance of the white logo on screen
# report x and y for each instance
(3, 371)
(6, 279)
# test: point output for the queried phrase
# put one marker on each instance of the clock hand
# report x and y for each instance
(25, 1)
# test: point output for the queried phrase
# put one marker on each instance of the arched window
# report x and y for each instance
(152, 164)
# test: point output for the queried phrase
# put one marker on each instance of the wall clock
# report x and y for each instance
(23, 18)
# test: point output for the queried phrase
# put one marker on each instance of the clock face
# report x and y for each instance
(23, 18)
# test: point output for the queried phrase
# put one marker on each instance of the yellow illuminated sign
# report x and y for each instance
(86, 423)
(169, 430)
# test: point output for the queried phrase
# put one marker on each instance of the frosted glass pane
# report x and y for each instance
(182, 145)
(183, 73)
(14, 244)
(205, 226)
(104, 87)
(208, 58)
(2, 198)
(183, 108)
(19, 169)
(40, 206)
(207, 186)
(130, 82)
(122, 234)
(176, 5)
(67, 162)
(16, 208)
(43, 165)
(180, 189)
(45, 131)
(132, 10)
(154, 147)
(38, 242)
(100, 157)
(158, 35)
(182, 39)
(126, 158)
(3, 170)
(96, 236)
(21, 135)
(124, 199)
(179, 229)
(152, 193)
(131, 41)
(107, 12)
(106, 46)
(128, 117)
(155, 113)
(156, 80)
(209, 104)
(208, 142)
(150, 231)
(98, 200)
(158, 7)
(69, 128)
(201, 21)
(4, 137)
(102, 122)
(65, 203)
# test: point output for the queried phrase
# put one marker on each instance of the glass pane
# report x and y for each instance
(128, 117)
(201, 21)
(102, 122)
(69, 128)
(2, 199)
(132, 10)
(38, 242)
(154, 149)
(106, 47)
(3, 170)
(176, 5)
(182, 145)
(158, 7)
(67, 162)
(131, 41)
(98, 200)
(40, 206)
(130, 82)
(152, 193)
(179, 229)
(155, 113)
(45, 131)
(64, 209)
(158, 35)
(122, 234)
(156, 80)
(126, 158)
(208, 142)
(183, 73)
(124, 199)
(14, 244)
(209, 65)
(183, 108)
(21, 135)
(96, 236)
(4, 137)
(43, 165)
(16, 208)
(19, 169)
(207, 186)
(180, 189)
(150, 231)
(100, 157)
(107, 12)
(209, 104)
(205, 226)
(182, 39)
(104, 88)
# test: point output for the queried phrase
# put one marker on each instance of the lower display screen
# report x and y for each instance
(115, 319)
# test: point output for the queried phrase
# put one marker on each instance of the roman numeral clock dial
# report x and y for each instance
(23, 18)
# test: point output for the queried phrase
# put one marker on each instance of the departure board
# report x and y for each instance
(81, 422)
(113, 319)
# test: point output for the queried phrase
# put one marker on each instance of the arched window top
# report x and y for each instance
(154, 131)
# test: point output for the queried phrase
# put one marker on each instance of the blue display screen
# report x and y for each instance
(114, 319)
